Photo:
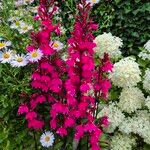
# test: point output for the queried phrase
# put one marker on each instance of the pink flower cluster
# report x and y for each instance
(72, 100)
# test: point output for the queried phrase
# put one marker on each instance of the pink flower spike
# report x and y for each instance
(31, 115)
(69, 122)
(104, 121)
(23, 108)
(41, 99)
(62, 131)
(35, 124)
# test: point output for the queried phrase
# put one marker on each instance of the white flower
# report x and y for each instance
(35, 55)
(28, 1)
(147, 102)
(25, 28)
(19, 3)
(141, 125)
(4, 44)
(107, 43)
(17, 24)
(146, 81)
(126, 126)
(131, 99)
(6, 56)
(34, 9)
(147, 46)
(92, 2)
(19, 61)
(122, 142)
(64, 56)
(138, 124)
(62, 30)
(57, 45)
(146, 53)
(114, 114)
(126, 73)
(47, 139)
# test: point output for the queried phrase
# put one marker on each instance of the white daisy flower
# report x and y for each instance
(4, 44)
(6, 56)
(57, 45)
(92, 2)
(25, 28)
(35, 55)
(19, 3)
(13, 18)
(17, 24)
(47, 139)
(19, 61)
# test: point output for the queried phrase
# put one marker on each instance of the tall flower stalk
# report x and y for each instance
(73, 89)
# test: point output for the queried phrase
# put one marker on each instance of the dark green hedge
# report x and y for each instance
(128, 19)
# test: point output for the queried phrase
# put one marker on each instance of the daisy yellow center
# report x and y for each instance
(25, 28)
(55, 45)
(34, 54)
(17, 23)
(2, 45)
(6, 55)
(19, 59)
(47, 138)
(94, 1)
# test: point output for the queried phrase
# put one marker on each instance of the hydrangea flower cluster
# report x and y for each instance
(131, 99)
(72, 101)
(115, 116)
(138, 124)
(147, 102)
(146, 81)
(145, 55)
(126, 142)
(107, 43)
(126, 73)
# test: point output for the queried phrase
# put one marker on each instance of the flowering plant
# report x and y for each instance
(71, 90)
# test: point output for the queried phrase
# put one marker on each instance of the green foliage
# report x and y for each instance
(125, 19)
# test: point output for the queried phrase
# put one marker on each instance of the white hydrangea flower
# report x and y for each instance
(126, 126)
(107, 43)
(126, 73)
(146, 81)
(131, 99)
(19, 61)
(147, 46)
(147, 102)
(47, 139)
(146, 53)
(141, 125)
(122, 142)
(114, 114)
